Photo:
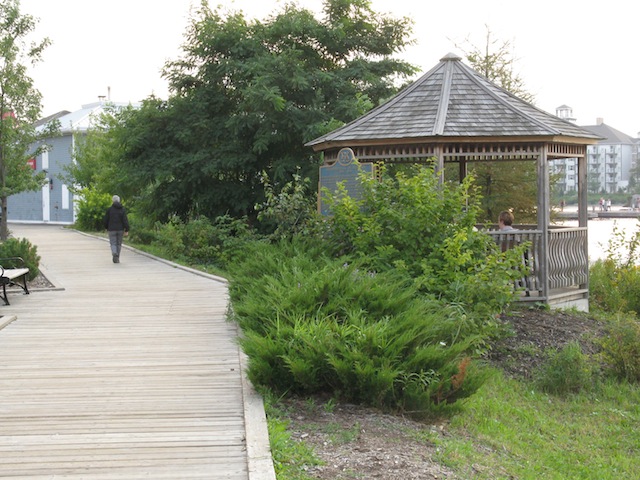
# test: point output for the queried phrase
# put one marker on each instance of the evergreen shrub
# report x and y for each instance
(316, 324)
(23, 248)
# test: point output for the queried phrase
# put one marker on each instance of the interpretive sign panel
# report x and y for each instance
(345, 171)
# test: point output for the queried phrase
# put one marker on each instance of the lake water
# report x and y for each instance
(600, 231)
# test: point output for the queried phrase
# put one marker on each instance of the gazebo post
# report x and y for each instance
(583, 204)
(544, 217)
(463, 170)
(583, 197)
(439, 164)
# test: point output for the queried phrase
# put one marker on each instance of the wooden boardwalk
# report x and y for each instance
(131, 371)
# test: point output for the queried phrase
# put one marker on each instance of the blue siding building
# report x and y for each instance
(55, 203)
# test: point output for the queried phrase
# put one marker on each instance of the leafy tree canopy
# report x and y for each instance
(20, 106)
(248, 94)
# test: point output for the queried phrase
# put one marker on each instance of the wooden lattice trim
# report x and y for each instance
(565, 150)
(463, 151)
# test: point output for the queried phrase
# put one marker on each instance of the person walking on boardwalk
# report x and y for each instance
(117, 225)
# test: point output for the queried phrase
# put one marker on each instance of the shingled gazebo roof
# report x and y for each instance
(453, 103)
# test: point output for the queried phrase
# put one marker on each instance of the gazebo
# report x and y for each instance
(452, 114)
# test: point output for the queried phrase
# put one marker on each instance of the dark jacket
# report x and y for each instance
(116, 218)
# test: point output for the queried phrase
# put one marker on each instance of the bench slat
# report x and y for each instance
(11, 277)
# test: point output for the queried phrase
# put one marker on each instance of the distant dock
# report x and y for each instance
(593, 214)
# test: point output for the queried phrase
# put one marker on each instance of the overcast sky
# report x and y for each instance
(567, 52)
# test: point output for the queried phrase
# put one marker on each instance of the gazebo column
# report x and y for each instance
(544, 217)
(463, 169)
(439, 166)
(583, 205)
(583, 197)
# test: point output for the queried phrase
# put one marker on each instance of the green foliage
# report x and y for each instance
(615, 281)
(246, 96)
(197, 241)
(566, 371)
(409, 222)
(621, 348)
(92, 206)
(290, 212)
(20, 106)
(96, 153)
(315, 324)
(13, 247)
(507, 186)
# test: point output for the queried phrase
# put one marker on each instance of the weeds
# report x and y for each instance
(621, 349)
(566, 371)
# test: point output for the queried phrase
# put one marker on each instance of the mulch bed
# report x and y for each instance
(537, 332)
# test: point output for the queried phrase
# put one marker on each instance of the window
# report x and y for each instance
(65, 197)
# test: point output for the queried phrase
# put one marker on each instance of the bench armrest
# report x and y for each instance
(12, 262)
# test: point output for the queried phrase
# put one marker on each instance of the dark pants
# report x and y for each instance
(115, 240)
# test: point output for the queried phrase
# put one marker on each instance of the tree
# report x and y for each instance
(495, 62)
(247, 95)
(96, 153)
(508, 185)
(20, 106)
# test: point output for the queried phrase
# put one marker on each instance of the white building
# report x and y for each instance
(609, 161)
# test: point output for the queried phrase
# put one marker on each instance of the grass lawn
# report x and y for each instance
(509, 430)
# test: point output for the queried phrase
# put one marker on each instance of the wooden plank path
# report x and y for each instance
(131, 371)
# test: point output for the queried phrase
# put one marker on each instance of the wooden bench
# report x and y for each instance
(14, 276)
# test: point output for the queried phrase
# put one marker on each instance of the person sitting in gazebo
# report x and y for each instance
(505, 220)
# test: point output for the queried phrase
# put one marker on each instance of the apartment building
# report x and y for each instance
(609, 162)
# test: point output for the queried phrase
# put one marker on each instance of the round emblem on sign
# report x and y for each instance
(345, 156)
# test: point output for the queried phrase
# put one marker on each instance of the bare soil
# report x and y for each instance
(355, 442)
(40, 282)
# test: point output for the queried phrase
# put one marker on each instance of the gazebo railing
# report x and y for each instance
(568, 265)
(568, 260)
(531, 282)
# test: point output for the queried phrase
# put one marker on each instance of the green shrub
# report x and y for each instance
(289, 212)
(92, 207)
(197, 241)
(565, 371)
(413, 223)
(615, 281)
(169, 238)
(23, 248)
(614, 287)
(145, 229)
(621, 349)
(316, 324)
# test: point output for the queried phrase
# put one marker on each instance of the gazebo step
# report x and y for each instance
(566, 298)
